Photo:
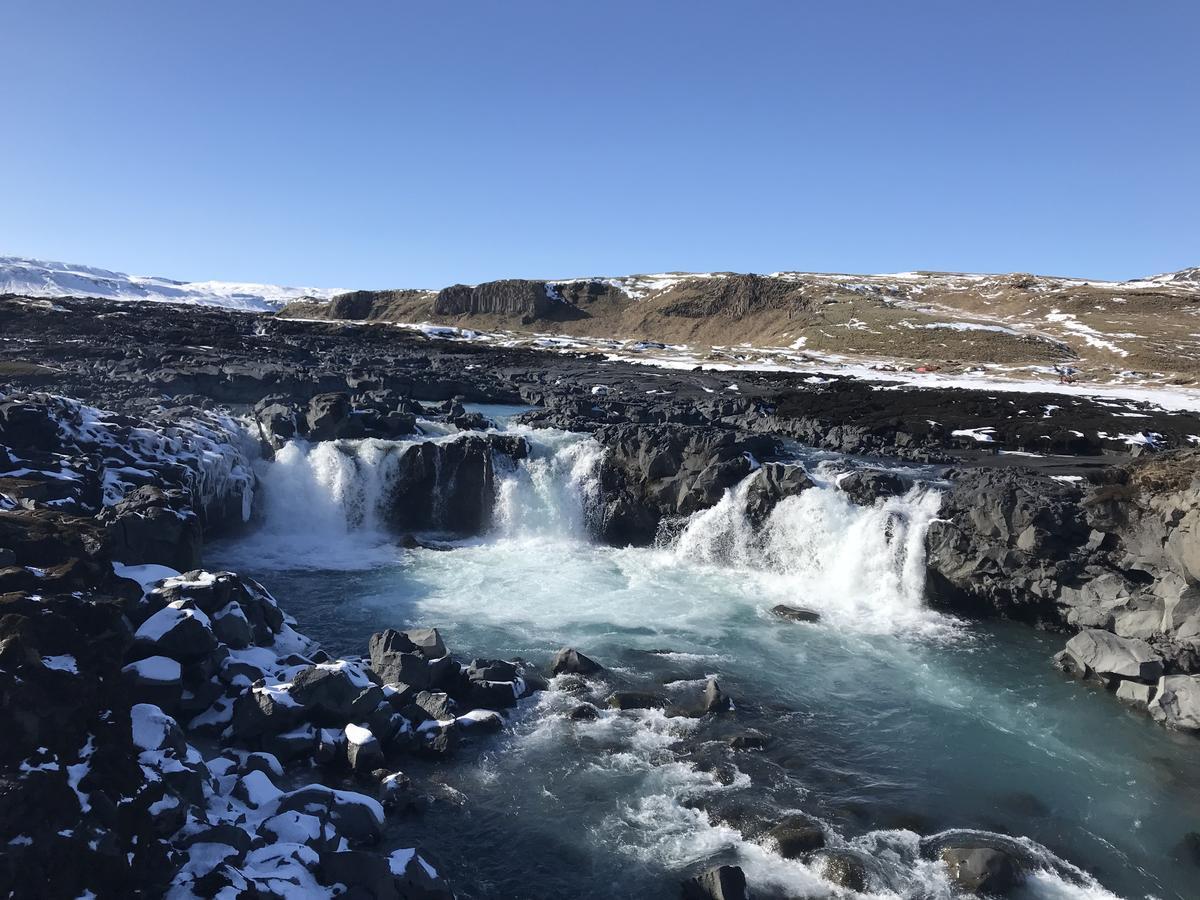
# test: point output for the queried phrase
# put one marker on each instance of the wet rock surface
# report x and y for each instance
(152, 708)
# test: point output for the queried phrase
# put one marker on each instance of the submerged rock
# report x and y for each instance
(980, 869)
(796, 836)
(843, 869)
(795, 613)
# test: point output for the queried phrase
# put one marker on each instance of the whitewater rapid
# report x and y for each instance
(883, 712)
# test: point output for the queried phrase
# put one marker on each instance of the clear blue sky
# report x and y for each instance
(376, 144)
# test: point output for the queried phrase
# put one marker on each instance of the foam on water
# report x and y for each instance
(628, 779)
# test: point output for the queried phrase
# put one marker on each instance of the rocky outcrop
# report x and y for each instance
(652, 473)
(1116, 557)
(450, 485)
(516, 298)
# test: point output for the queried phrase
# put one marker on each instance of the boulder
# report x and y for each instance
(1109, 655)
(568, 660)
(1135, 692)
(364, 753)
(328, 417)
(722, 883)
(359, 818)
(795, 613)
(715, 699)
(180, 633)
(1176, 702)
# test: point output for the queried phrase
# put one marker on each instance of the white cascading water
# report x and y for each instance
(861, 566)
(539, 580)
(549, 495)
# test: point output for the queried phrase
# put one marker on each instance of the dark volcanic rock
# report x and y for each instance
(451, 485)
(724, 883)
(980, 869)
(568, 660)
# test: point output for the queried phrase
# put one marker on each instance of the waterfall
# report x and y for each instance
(550, 494)
(858, 565)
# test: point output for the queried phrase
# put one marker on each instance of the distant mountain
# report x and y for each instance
(43, 278)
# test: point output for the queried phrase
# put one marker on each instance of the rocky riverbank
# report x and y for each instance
(171, 730)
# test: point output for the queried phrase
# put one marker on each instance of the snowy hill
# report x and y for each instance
(42, 278)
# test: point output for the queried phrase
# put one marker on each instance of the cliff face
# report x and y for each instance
(1117, 560)
(529, 300)
(733, 296)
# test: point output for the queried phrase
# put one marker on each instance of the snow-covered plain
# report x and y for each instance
(45, 278)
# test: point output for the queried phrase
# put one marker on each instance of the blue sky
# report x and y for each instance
(376, 144)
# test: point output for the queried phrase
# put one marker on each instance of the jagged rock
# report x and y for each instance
(449, 485)
(1176, 702)
(980, 869)
(715, 699)
(154, 526)
(1107, 655)
(1135, 692)
(364, 753)
(388, 641)
(328, 417)
(772, 483)
(436, 705)
(723, 883)
(865, 486)
(334, 693)
(568, 660)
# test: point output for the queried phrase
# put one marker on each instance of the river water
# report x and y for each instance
(895, 726)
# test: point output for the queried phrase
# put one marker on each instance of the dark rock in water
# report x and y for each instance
(436, 705)
(584, 712)
(636, 700)
(724, 883)
(772, 483)
(795, 613)
(450, 485)
(363, 750)
(843, 869)
(1188, 849)
(388, 641)
(428, 642)
(656, 472)
(334, 694)
(797, 835)
(715, 699)
(328, 417)
(980, 869)
(749, 740)
(402, 668)
(568, 660)
(865, 486)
